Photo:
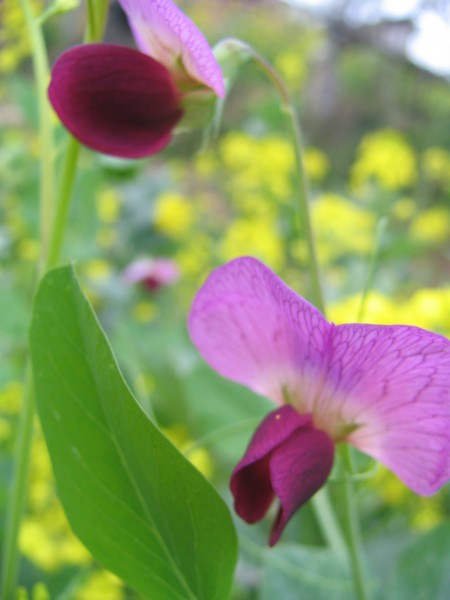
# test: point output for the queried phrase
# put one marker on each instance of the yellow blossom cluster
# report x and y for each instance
(385, 157)
(14, 45)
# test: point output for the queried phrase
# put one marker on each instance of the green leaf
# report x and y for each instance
(293, 572)
(422, 569)
(138, 505)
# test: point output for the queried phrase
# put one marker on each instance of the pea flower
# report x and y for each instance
(383, 389)
(126, 102)
(152, 273)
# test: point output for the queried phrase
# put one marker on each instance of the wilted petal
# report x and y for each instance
(163, 31)
(287, 458)
(115, 100)
(250, 327)
(394, 382)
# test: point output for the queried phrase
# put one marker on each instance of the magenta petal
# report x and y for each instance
(288, 458)
(115, 100)
(163, 31)
(250, 327)
(394, 382)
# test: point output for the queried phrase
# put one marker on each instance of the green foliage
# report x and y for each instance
(138, 505)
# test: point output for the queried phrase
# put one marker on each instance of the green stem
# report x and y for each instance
(373, 262)
(302, 186)
(328, 523)
(41, 74)
(51, 242)
(351, 527)
(64, 198)
(17, 496)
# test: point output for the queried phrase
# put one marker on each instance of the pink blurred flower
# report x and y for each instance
(126, 102)
(154, 274)
(383, 389)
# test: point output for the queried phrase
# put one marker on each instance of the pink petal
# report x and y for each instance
(250, 327)
(164, 32)
(394, 382)
(115, 100)
(288, 458)
(153, 273)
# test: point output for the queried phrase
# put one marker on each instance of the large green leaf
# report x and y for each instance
(137, 504)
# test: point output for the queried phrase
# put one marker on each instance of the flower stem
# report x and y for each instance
(302, 186)
(53, 225)
(64, 197)
(373, 261)
(351, 527)
(17, 494)
(328, 524)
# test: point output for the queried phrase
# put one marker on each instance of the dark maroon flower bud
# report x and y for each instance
(287, 458)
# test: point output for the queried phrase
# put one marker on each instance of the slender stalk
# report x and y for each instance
(329, 526)
(64, 197)
(302, 186)
(46, 153)
(351, 527)
(373, 261)
(53, 237)
(17, 496)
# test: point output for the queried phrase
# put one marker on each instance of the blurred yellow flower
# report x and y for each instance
(97, 269)
(316, 164)
(431, 226)
(386, 157)
(173, 215)
(427, 514)
(145, 312)
(14, 45)
(11, 397)
(341, 227)
(101, 585)
(292, 67)
(436, 164)
(264, 164)
(403, 209)
(28, 249)
(378, 309)
(199, 457)
(254, 237)
(108, 205)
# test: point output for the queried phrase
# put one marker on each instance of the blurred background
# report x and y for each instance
(370, 80)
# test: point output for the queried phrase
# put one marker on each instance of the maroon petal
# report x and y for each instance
(115, 100)
(299, 468)
(288, 458)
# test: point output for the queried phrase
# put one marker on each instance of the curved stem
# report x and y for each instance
(302, 186)
(351, 528)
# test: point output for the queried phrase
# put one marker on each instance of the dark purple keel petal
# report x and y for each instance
(115, 100)
(287, 458)
(298, 469)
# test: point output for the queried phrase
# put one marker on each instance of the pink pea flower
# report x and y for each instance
(383, 389)
(126, 102)
(152, 273)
